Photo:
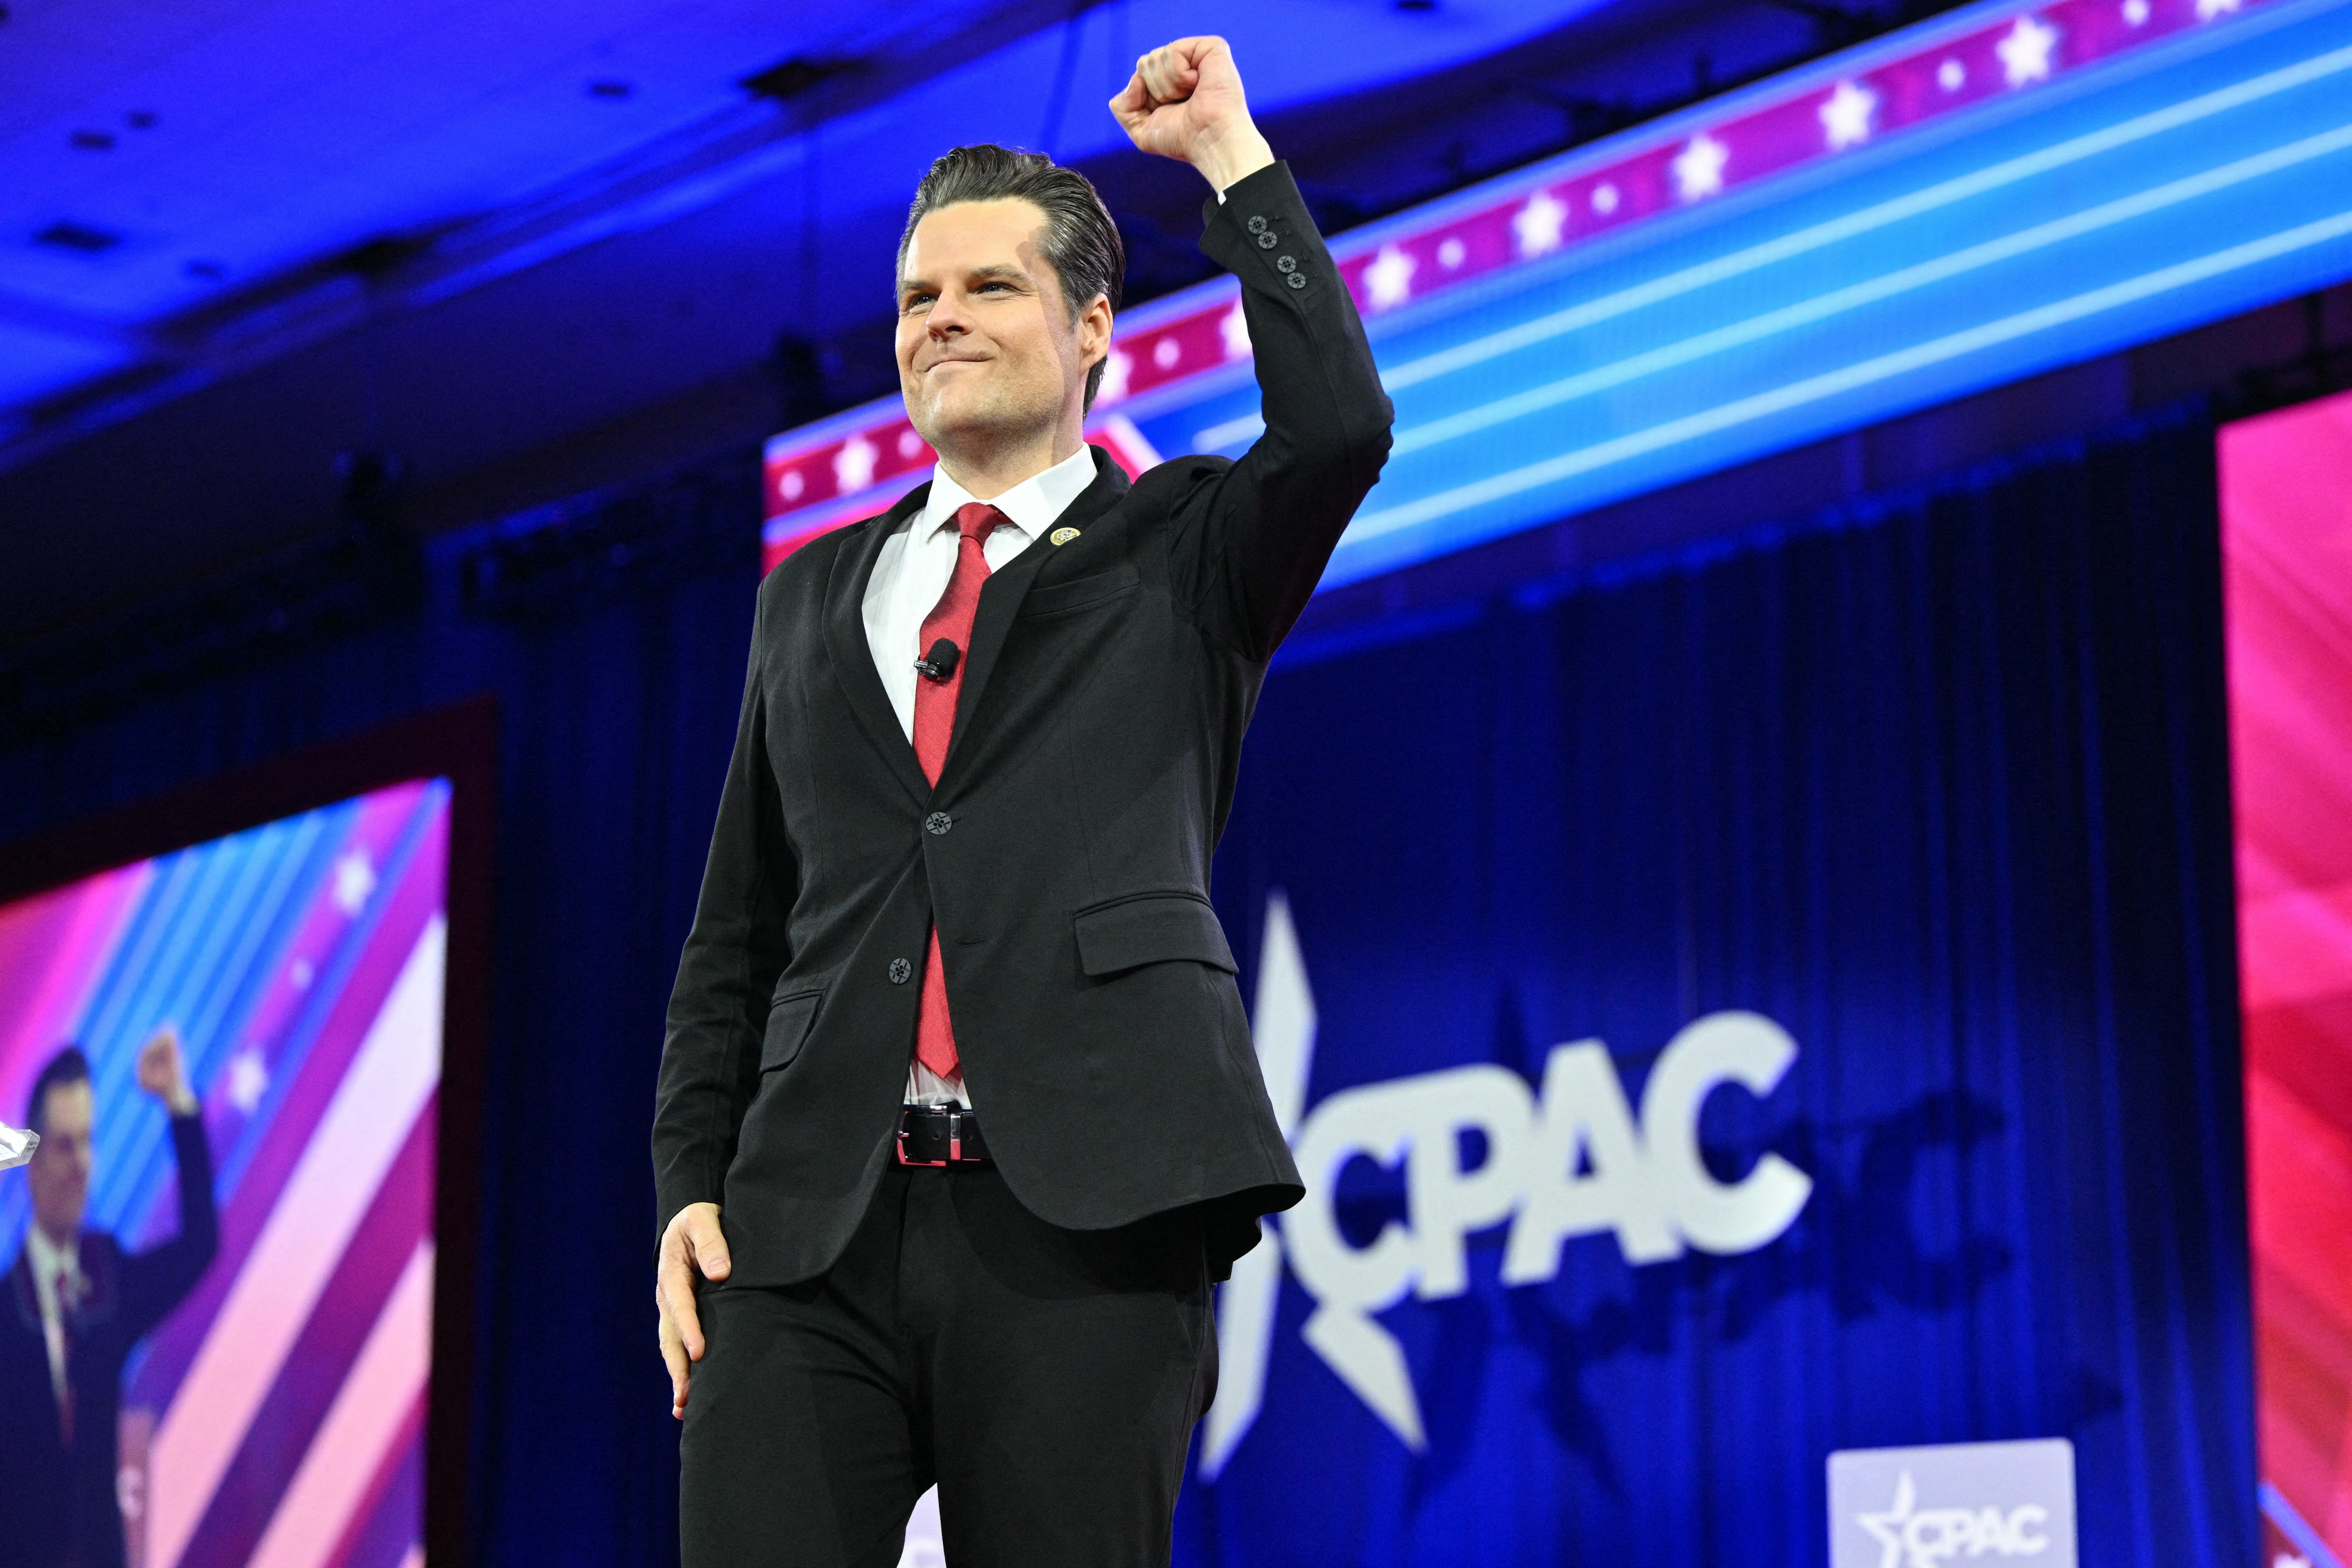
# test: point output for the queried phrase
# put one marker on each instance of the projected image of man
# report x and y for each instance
(76, 1304)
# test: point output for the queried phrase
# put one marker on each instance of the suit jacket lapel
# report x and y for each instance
(20, 1286)
(853, 655)
(1001, 596)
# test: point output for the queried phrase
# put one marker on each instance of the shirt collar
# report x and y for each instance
(1031, 505)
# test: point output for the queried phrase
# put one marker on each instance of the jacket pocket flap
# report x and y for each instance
(789, 1018)
(1112, 937)
(1053, 598)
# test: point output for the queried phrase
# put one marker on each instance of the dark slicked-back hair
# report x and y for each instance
(1080, 240)
(68, 1066)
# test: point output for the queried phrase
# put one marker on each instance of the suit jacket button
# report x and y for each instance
(1266, 240)
(1286, 263)
(1296, 281)
(939, 821)
(1257, 224)
(900, 970)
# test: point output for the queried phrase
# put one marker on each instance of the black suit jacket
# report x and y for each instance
(57, 1505)
(1065, 853)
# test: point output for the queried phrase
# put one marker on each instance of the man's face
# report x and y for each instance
(59, 1169)
(987, 349)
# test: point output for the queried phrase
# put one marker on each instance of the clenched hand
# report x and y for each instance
(1184, 101)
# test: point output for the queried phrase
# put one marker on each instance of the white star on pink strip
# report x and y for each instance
(1389, 278)
(1234, 329)
(1536, 225)
(2025, 50)
(1698, 167)
(1114, 381)
(1846, 115)
(852, 466)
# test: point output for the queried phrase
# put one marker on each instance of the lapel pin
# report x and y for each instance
(1062, 535)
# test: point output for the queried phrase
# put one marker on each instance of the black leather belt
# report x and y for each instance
(939, 1135)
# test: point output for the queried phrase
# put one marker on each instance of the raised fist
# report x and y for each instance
(162, 1073)
(1185, 101)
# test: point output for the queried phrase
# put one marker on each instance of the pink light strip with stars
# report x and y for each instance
(850, 467)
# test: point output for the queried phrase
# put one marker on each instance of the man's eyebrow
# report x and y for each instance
(988, 273)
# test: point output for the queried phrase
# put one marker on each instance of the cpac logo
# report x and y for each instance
(1915, 1537)
(1575, 1160)
(2020, 1492)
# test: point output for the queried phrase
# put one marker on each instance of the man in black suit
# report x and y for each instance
(958, 1110)
(77, 1304)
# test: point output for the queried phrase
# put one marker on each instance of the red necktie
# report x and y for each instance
(935, 710)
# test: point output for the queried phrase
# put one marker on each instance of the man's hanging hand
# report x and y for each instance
(693, 1245)
(1184, 101)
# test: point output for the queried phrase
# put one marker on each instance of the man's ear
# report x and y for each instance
(1094, 331)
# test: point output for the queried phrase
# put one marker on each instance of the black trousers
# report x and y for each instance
(1047, 1380)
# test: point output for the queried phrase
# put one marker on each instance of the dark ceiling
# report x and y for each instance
(519, 253)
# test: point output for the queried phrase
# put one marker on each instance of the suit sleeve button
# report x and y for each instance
(1257, 224)
(900, 971)
(1296, 281)
(1286, 263)
(939, 821)
(1266, 241)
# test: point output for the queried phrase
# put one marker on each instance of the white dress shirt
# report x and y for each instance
(48, 1260)
(909, 575)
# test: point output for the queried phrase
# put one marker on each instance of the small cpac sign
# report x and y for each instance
(1961, 1503)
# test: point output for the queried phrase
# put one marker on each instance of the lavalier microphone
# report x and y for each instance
(940, 662)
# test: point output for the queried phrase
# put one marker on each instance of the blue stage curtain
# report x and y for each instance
(1937, 782)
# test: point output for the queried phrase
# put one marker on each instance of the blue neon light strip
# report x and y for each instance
(2191, 178)
(2213, 184)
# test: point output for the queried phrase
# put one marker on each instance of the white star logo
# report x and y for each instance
(354, 880)
(2025, 50)
(1114, 381)
(249, 1079)
(791, 485)
(1235, 329)
(1951, 75)
(1886, 1528)
(2290, 1560)
(1282, 1024)
(1698, 167)
(1846, 115)
(1389, 278)
(910, 445)
(2135, 12)
(1452, 253)
(1165, 353)
(2209, 9)
(852, 466)
(1604, 199)
(1538, 224)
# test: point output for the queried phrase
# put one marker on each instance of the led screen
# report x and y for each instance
(248, 1367)
(2287, 512)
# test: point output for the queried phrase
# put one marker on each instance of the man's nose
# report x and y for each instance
(946, 317)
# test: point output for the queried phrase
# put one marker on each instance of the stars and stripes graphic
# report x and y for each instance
(856, 464)
(282, 1405)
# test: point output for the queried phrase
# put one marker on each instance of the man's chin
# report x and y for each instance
(958, 425)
